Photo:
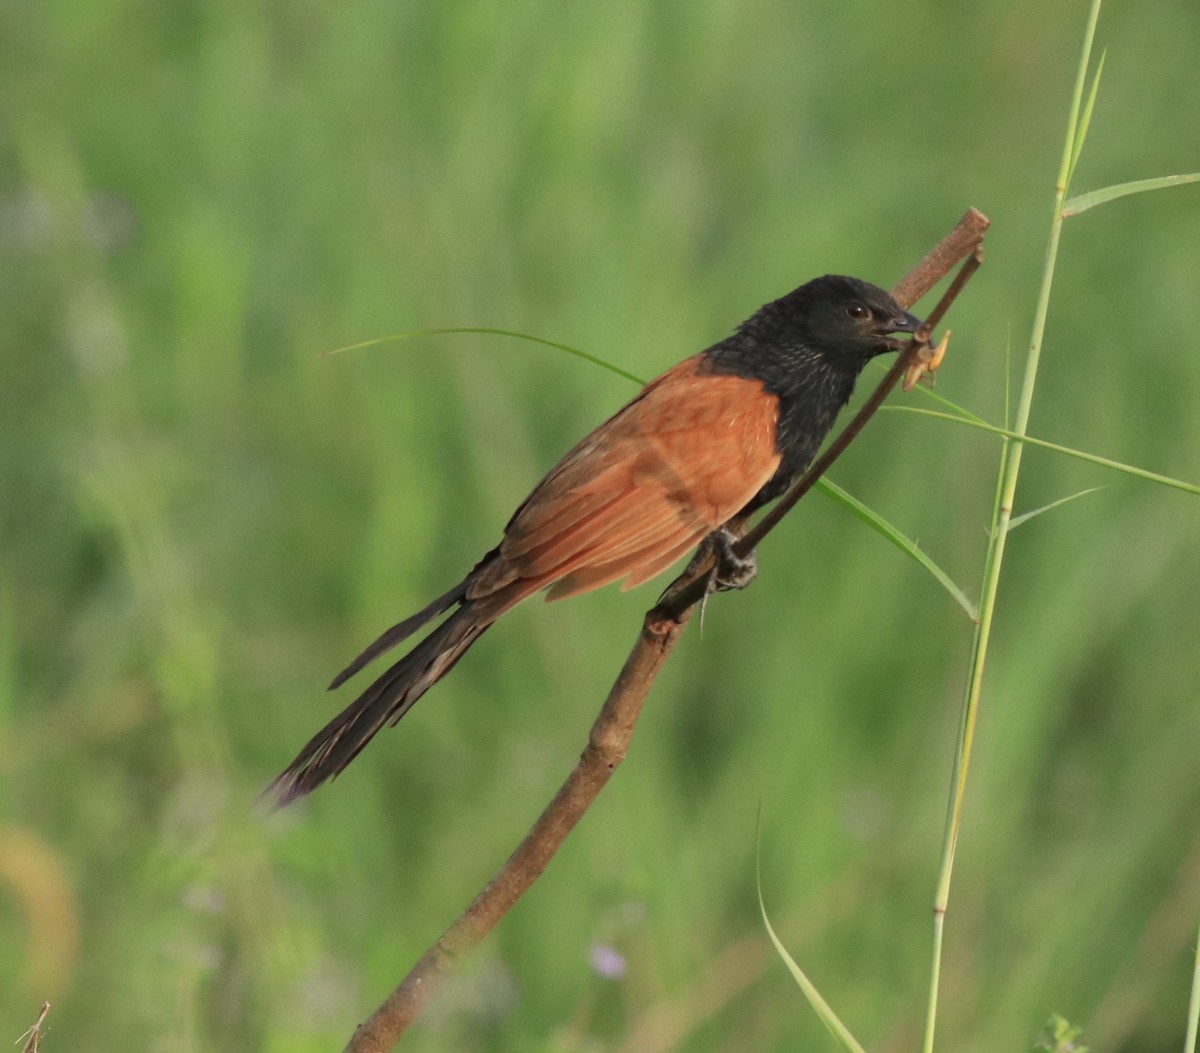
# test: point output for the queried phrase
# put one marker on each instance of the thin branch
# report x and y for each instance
(607, 744)
(35, 1033)
(611, 733)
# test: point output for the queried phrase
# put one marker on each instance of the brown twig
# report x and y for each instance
(607, 743)
(34, 1034)
(609, 738)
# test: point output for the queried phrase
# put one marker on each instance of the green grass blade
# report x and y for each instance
(828, 1017)
(1070, 153)
(822, 1008)
(927, 392)
(871, 518)
(1016, 521)
(1007, 379)
(1086, 117)
(909, 547)
(414, 333)
(1193, 1018)
(1029, 440)
(1082, 202)
(942, 401)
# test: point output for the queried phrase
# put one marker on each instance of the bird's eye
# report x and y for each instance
(857, 312)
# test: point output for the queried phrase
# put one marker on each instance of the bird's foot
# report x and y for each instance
(729, 570)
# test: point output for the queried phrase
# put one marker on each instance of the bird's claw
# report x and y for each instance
(729, 570)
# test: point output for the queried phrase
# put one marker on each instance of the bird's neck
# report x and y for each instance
(811, 387)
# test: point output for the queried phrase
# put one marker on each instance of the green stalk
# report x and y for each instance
(1010, 468)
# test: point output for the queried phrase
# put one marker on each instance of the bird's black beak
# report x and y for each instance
(902, 323)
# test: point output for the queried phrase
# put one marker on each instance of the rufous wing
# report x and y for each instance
(642, 489)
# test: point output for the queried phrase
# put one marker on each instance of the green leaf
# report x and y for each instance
(1070, 154)
(1059, 1036)
(927, 392)
(1082, 202)
(1091, 458)
(1086, 118)
(910, 548)
(413, 333)
(823, 1009)
(1193, 1013)
(1018, 520)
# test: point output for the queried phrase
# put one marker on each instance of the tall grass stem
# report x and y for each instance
(1010, 468)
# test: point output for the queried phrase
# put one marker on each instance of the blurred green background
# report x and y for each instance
(203, 520)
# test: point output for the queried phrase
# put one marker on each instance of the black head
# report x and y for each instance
(839, 316)
(808, 348)
(816, 339)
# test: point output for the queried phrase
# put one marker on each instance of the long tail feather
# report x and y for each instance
(391, 696)
(402, 631)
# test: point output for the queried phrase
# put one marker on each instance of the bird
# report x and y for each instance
(701, 447)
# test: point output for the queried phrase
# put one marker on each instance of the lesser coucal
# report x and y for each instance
(709, 441)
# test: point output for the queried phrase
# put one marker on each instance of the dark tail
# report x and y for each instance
(402, 631)
(385, 701)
